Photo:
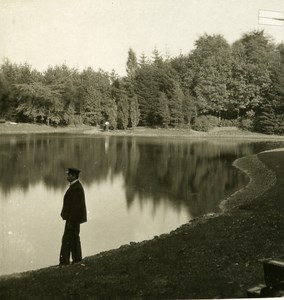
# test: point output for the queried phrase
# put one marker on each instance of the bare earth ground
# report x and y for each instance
(215, 256)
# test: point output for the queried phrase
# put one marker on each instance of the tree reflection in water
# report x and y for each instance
(191, 174)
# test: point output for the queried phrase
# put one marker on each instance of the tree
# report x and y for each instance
(211, 63)
(184, 71)
(131, 64)
(269, 121)
(110, 112)
(277, 76)
(157, 58)
(163, 112)
(175, 107)
(147, 90)
(143, 60)
(11, 75)
(91, 106)
(122, 111)
(252, 60)
(4, 96)
(94, 92)
(188, 108)
(66, 81)
(134, 112)
(270, 117)
(39, 102)
(150, 81)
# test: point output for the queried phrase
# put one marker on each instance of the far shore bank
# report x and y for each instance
(217, 132)
(214, 256)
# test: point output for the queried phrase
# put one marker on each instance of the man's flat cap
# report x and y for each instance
(73, 171)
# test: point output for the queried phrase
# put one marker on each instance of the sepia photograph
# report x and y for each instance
(141, 149)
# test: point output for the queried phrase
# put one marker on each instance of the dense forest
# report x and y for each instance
(216, 84)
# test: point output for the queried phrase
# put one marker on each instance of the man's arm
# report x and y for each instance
(77, 206)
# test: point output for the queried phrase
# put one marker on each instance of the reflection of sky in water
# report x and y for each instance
(125, 224)
(31, 227)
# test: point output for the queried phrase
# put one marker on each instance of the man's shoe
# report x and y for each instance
(76, 262)
(63, 264)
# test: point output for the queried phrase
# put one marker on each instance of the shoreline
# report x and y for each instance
(261, 180)
(155, 268)
(217, 132)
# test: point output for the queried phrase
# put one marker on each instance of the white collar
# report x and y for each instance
(74, 181)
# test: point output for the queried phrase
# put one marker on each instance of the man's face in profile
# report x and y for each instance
(70, 177)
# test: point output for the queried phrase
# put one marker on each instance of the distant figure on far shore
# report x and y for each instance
(107, 125)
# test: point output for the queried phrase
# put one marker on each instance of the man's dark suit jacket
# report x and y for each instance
(74, 206)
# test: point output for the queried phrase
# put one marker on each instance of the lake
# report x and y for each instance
(136, 188)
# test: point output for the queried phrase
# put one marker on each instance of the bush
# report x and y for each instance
(205, 123)
(246, 124)
(229, 123)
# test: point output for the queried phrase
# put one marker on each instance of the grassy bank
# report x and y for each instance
(225, 132)
(25, 128)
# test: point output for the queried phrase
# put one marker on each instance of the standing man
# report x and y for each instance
(74, 213)
(107, 125)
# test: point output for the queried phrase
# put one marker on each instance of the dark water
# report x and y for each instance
(135, 188)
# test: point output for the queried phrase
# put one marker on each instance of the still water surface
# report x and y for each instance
(135, 188)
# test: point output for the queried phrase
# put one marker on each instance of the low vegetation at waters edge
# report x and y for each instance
(216, 84)
(215, 256)
(26, 128)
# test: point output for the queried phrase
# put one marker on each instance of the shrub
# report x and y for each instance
(205, 123)
(246, 124)
(229, 123)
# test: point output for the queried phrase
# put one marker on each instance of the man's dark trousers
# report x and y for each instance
(71, 244)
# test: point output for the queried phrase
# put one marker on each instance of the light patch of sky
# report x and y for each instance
(98, 33)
